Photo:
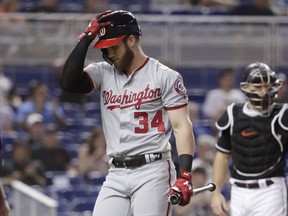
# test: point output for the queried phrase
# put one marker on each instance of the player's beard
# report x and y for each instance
(126, 61)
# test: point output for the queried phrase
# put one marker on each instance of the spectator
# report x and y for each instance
(6, 118)
(53, 157)
(208, 3)
(257, 8)
(21, 167)
(200, 204)
(218, 99)
(41, 102)
(96, 6)
(4, 205)
(48, 6)
(10, 6)
(6, 111)
(205, 153)
(92, 155)
(199, 127)
(35, 130)
(282, 96)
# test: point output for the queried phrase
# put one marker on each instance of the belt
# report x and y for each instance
(135, 161)
(252, 185)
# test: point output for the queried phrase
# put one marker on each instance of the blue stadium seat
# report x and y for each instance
(71, 5)
(26, 5)
(95, 178)
(83, 205)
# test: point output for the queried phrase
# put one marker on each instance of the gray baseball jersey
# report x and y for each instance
(134, 108)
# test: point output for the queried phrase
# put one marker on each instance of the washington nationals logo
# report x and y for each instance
(102, 31)
(179, 87)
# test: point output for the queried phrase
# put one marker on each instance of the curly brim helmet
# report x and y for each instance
(123, 23)
(258, 74)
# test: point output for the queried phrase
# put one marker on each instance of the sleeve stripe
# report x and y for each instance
(176, 107)
(222, 149)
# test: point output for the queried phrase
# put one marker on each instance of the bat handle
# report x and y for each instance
(176, 197)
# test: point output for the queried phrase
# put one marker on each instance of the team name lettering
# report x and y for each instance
(132, 98)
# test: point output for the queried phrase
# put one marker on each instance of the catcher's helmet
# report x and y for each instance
(259, 74)
(123, 23)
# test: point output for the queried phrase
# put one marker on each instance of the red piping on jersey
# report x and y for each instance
(169, 181)
(141, 66)
(138, 104)
(176, 107)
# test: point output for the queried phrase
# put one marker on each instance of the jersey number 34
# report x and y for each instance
(157, 122)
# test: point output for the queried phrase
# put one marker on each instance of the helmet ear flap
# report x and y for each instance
(105, 56)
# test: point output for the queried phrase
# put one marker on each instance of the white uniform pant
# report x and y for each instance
(140, 191)
(265, 201)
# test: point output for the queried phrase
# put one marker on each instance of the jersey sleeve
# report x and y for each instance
(95, 72)
(174, 93)
(224, 126)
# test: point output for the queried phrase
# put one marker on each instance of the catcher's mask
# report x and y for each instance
(258, 76)
(123, 23)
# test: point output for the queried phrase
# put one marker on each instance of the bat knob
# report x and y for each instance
(175, 198)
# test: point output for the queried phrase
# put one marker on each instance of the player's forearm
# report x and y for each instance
(185, 146)
(73, 68)
(220, 170)
(184, 139)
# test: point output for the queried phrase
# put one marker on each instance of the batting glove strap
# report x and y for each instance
(186, 175)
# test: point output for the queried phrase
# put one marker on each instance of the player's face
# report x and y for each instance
(260, 89)
(120, 55)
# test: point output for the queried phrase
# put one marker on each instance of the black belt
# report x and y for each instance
(252, 185)
(135, 161)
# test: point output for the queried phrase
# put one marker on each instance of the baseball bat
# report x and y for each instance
(175, 198)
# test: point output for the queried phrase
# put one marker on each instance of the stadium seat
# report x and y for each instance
(95, 178)
(83, 205)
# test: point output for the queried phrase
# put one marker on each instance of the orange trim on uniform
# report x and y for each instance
(176, 107)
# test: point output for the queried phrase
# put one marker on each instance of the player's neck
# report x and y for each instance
(138, 61)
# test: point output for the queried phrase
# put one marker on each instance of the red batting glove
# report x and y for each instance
(95, 25)
(184, 186)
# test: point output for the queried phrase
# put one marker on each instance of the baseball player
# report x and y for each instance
(142, 101)
(255, 136)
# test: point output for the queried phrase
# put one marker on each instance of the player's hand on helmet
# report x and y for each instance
(184, 186)
(95, 25)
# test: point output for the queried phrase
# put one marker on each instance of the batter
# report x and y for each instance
(142, 102)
